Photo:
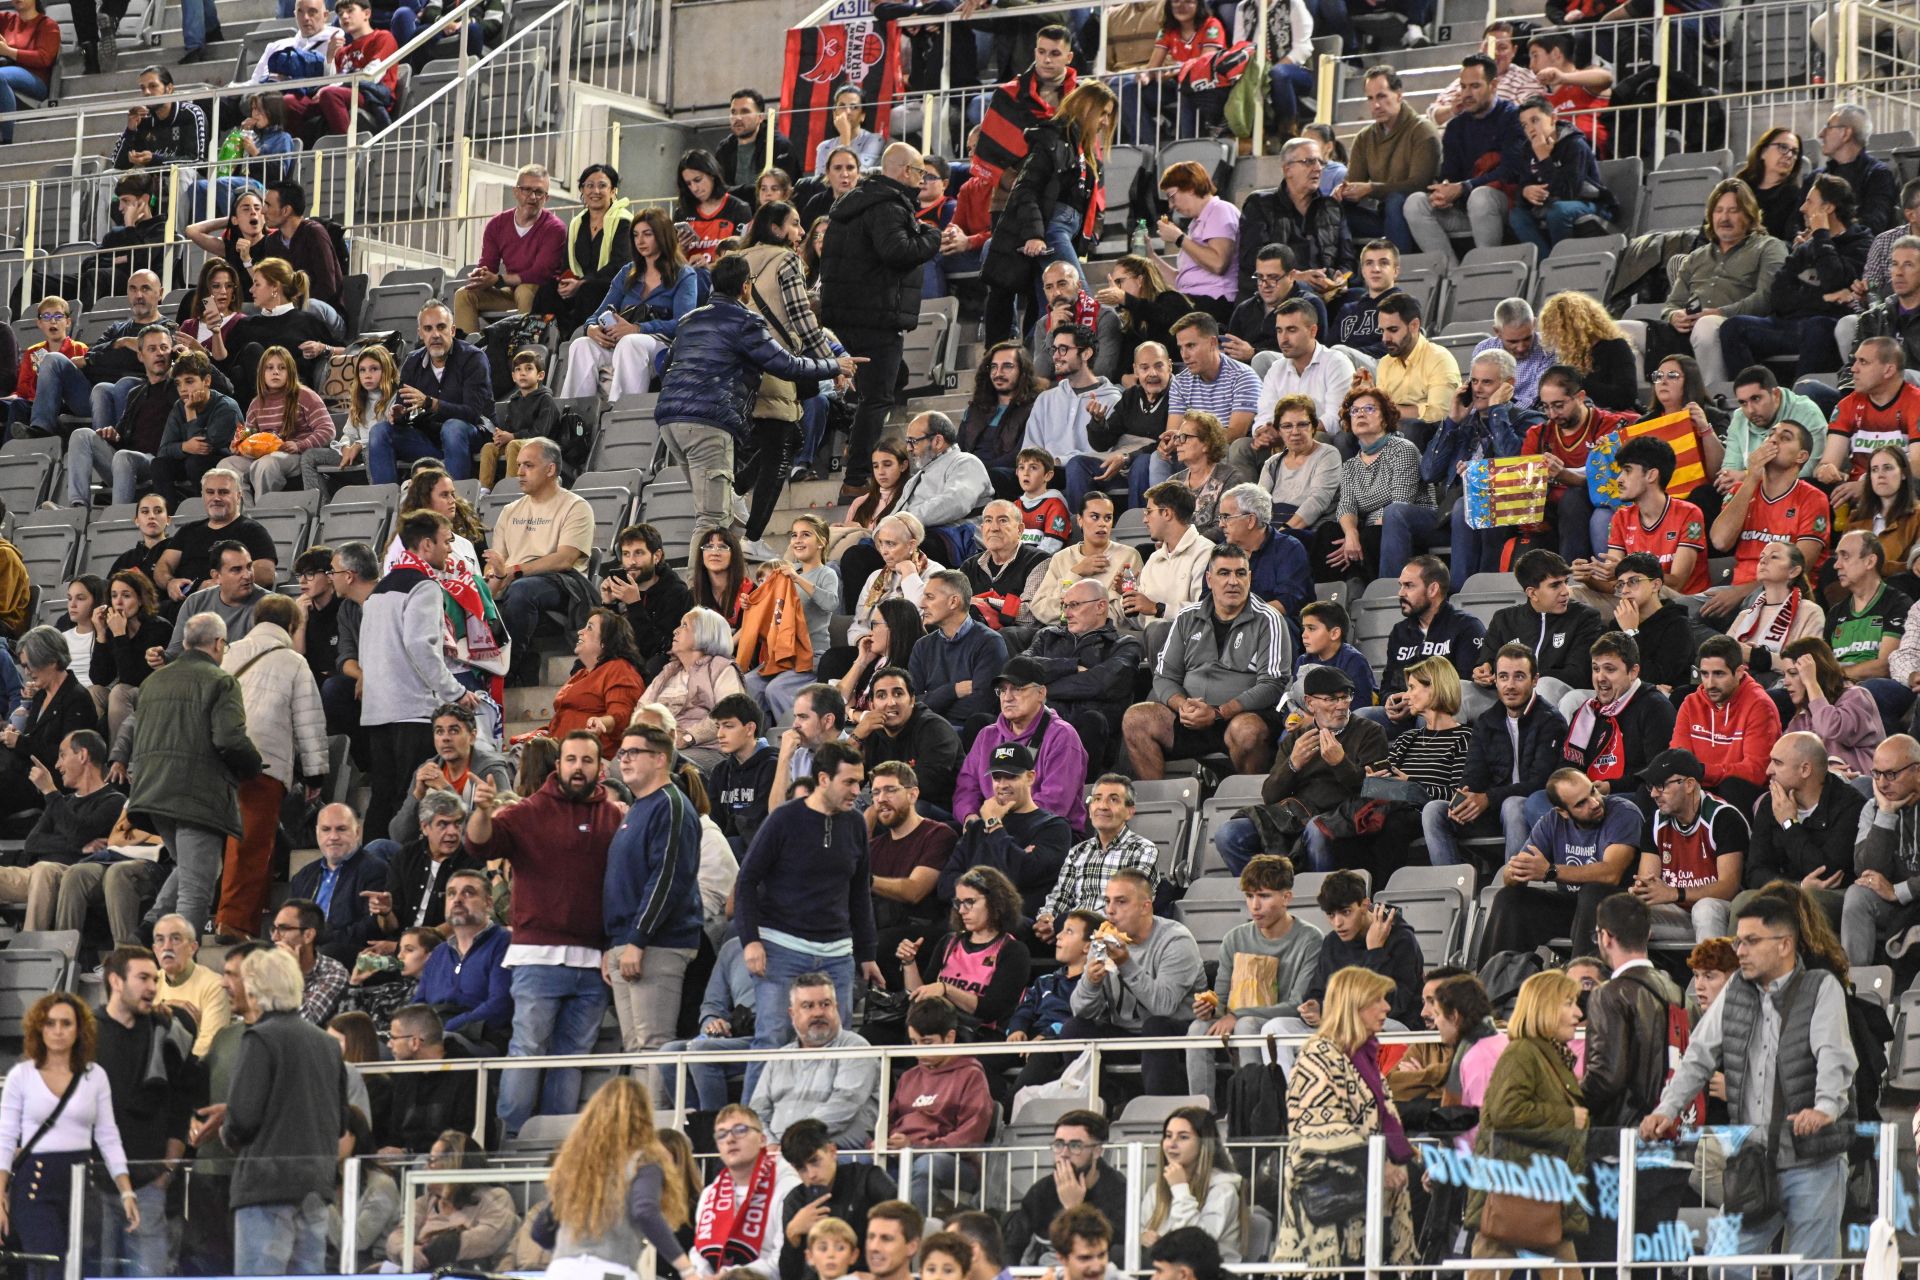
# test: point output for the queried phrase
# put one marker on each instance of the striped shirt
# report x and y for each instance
(1367, 491)
(1434, 758)
(313, 427)
(1234, 389)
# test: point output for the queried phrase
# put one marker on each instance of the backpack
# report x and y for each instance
(337, 237)
(296, 64)
(1256, 1100)
(576, 437)
(1502, 975)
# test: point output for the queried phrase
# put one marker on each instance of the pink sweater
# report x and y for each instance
(1850, 726)
(313, 429)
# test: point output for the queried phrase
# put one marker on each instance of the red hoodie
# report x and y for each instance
(1730, 741)
(942, 1104)
(558, 848)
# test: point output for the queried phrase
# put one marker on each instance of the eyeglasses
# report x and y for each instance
(966, 904)
(533, 193)
(1075, 1147)
(282, 929)
(1263, 277)
(1662, 786)
(51, 316)
(914, 440)
(628, 753)
(1364, 409)
(1630, 582)
(1668, 375)
(1784, 148)
(1185, 435)
(1750, 942)
(737, 1131)
(1311, 164)
(1888, 775)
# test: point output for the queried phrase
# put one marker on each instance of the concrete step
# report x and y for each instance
(535, 702)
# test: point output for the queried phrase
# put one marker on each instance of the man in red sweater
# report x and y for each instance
(365, 46)
(556, 842)
(943, 1101)
(1730, 725)
(520, 250)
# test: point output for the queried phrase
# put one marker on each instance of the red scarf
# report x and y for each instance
(1593, 742)
(1779, 629)
(1086, 310)
(729, 1232)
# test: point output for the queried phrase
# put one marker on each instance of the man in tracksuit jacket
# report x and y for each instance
(1219, 680)
(1730, 724)
(1558, 629)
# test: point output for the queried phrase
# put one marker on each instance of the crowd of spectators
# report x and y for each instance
(871, 778)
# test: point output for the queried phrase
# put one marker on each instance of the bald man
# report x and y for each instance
(1805, 826)
(194, 986)
(870, 270)
(342, 880)
(1068, 303)
(1884, 898)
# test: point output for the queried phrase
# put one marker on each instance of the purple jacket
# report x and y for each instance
(1060, 769)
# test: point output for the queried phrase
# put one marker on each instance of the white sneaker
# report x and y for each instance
(1416, 38)
(759, 550)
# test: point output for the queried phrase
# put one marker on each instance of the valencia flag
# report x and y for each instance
(821, 59)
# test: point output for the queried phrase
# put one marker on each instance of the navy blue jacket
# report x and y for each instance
(719, 352)
(1045, 1006)
(652, 887)
(1454, 635)
(465, 391)
(1281, 572)
(1495, 432)
(1468, 138)
(349, 926)
(1569, 172)
(1490, 753)
(937, 664)
(477, 985)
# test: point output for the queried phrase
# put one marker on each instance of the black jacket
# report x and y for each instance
(1668, 643)
(48, 725)
(1110, 661)
(655, 614)
(1824, 839)
(1825, 263)
(1029, 850)
(420, 1106)
(1570, 171)
(785, 158)
(928, 743)
(1027, 1225)
(1886, 320)
(1490, 753)
(412, 878)
(1646, 729)
(856, 1188)
(1562, 643)
(995, 443)
(870, 264)
(1875, 190)
(1319, 237)
(1458, 637)
(349, 926)
(1132, 416)
(1626, 1048)
(1053, 174)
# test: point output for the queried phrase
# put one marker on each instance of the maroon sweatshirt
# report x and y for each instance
(558, 850)
(945, 1104)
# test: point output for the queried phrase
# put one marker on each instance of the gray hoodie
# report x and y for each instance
(1158, 979)
(482, 763)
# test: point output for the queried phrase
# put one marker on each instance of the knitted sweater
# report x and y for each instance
(312, 426)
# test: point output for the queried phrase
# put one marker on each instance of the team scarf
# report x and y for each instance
(470, 613)
(1776, 631)
(1595, 733)
(1086, 310)
(729, 1232)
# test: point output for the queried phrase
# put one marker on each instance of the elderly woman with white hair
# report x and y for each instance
(56, 705)
(902, 575)
(698, 674)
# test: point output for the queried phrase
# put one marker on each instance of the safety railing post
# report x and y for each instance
(563, 68)
(662, 62)
(351, 158)
(1260, 116)
(179, 187)
(479, 1105)
(1660, 61)
(1136, 1177)
(350, 1214)
(929, 113)
(460, 89)
(77, 1202)
(1375, 1244)
(1625, 1218)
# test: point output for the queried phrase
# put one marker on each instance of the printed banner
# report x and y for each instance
(1502, 493)
(821, 59)
(1677, 429)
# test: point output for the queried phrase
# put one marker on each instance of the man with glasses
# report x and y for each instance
(464, 977)
(652, 901)
(1880, 904)
(1081, 1175)
(353, 572)
(1485, 421)
(1219, 679)
(1298, 217)
(296, 929)
(1513, 333)
(420, 1106)
(1692, 852)
(1095, 556)
(1249, 336)
(737, 1232)
(1661, 627)
(520, 250)
(1088, 663)
(456, 767)
(947, 485)
(1777, 1033)
(1058, 420)
(1572, 860)
(1278, 560)
(1844, 139)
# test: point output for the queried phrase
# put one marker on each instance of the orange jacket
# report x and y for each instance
(773, 629)
(610, 689)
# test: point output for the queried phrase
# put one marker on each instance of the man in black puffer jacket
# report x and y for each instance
(870, 290)
(706, 398)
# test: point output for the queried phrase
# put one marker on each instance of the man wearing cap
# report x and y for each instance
(1089, 665)
(1321, 764)
(1219, 679)
(1060, 760)
(1691, 852)
(1010, 833)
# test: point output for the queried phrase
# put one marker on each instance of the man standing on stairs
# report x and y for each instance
(870, 290)
(404, 675)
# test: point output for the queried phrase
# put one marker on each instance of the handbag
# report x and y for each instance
(1401, 790)
(1732, 1168)
(66, 1096)
(1331, 1187)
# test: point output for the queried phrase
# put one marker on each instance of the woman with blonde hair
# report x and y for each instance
(376, 381)
(1534, 1106)
(1052, 212)
(1584, 337)
(610, 1193)
(282, 319)
(1337, 1100)
(818, 585)
(1196, 1186)
(1148, 305)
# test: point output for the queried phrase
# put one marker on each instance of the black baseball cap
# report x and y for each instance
(1010, 759)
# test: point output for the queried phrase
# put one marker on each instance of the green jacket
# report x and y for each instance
(190, 746)
(1528, 1110)
(1738, 282)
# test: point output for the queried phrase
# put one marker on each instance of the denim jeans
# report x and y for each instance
(199, 23)
(521, 607)
(1550, 223)
(16, 79)
(108, 403)
(1402, 524)
(1473, 549)
(706, 1083)
(1748, 340)
(772, 1024)
(213, 197)
(1147, 470)
(1081, 471)
(1443, 833)
(940, 1173)
(1238, 841)
(1390, 221)
(141, 1252)
(556, 1010)
(62, 388)
(1811, 1199)
(1286, 81)
(388, 446)
(281, 1239)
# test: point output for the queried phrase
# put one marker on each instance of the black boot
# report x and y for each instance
(90, 58)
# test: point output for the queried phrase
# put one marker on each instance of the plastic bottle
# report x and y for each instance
(1138, 242)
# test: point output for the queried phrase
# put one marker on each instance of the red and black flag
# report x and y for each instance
(821, 59)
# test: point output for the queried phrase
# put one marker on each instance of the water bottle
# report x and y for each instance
(1138, 242)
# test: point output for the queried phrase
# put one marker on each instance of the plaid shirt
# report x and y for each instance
(799, 307)
(326, 985)
(1084, 875)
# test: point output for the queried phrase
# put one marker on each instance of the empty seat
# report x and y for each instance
(1591, 274)
(1144, 1117)
(1475, 289)
(107, 540)
(1677, 199)
(1625, 178)
(1435, 902)
(1212, 906)
(394, 306)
